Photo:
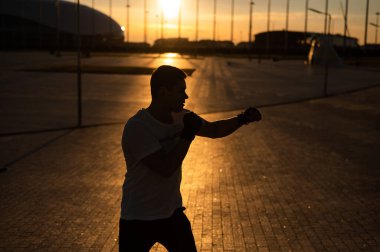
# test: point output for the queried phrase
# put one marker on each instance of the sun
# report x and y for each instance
(170, 8)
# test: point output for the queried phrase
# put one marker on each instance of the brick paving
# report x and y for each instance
(306, 178)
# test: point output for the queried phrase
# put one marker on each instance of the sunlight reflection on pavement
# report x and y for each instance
(305, 178)
(173, 59)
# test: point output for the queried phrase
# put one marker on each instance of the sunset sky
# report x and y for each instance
(356, 17)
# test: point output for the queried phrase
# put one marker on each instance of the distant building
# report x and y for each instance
(218, 44)
(137, 46)
(172, 43)
(275, 41)
(34, 24)
(338, 41)
(184, 45)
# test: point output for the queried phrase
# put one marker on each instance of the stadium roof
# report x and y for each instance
(44, 12)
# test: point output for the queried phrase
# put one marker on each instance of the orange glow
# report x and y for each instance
(169, 58)
(170, 8)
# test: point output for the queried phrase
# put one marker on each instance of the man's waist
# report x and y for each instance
(135, 214)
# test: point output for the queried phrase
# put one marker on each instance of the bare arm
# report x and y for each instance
(166, 163)
(226, 127)
(219, 128)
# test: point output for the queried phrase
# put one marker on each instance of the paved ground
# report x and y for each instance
(306, 178)
(40, 100)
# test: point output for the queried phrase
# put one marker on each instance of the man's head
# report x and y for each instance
(168, 87)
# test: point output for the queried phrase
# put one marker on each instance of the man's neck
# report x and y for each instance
(160, 114)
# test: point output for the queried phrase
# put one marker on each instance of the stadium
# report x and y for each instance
(52, 25)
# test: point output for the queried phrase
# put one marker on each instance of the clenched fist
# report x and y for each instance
(191, 125)
(249, 115)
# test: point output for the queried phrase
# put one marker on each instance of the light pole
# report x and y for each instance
(326, 59)
(127, 31)
(79, 70)
(328, 15)
(157, 24)
(92, 24)
(110, 11)
(345, 26)
(58, 28)
(366, 24)
(232, 19)
(179, 20)
(145, 22)
(286, 27)
(376, 26)
(326, 11)
(39, 26)
(268, 15)
(197, 21)
(162, 23)
(268, 24)
(196, 27)
(250, 27)
(214, 26)
(306, 17)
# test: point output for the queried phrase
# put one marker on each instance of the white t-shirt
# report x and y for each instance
(146, 194)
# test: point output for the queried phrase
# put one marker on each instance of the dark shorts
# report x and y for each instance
(174, 233)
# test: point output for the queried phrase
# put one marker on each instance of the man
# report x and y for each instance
(155, 142)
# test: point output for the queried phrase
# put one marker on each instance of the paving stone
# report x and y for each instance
(306, 178)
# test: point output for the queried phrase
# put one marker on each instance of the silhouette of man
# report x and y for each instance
(155, 142)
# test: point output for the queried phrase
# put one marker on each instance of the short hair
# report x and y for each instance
(165, 76)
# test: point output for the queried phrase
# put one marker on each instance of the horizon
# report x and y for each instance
(356, 18)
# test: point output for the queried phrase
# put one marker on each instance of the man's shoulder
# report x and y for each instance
(143, 119)
(135, 121)
(134, 125)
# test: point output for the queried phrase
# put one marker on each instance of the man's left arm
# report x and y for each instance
(222, 128)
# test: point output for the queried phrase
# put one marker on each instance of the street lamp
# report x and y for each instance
(214, 26)
(179, 20)
(232, 19)
(326, 59)
(345, 25)
(162, 23)
(127, 31)
(79, 70)
(92, 23)
(197, 21)
(157, 24)
(366, 24)
(326, 11)
(376, 25)
(40, 24)
(286, 26)
(268, 15)
(110, 11)
(323, 13)
(268, 24)
(250, 25)
(58, 28)
(145, 22)
(306, 17)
